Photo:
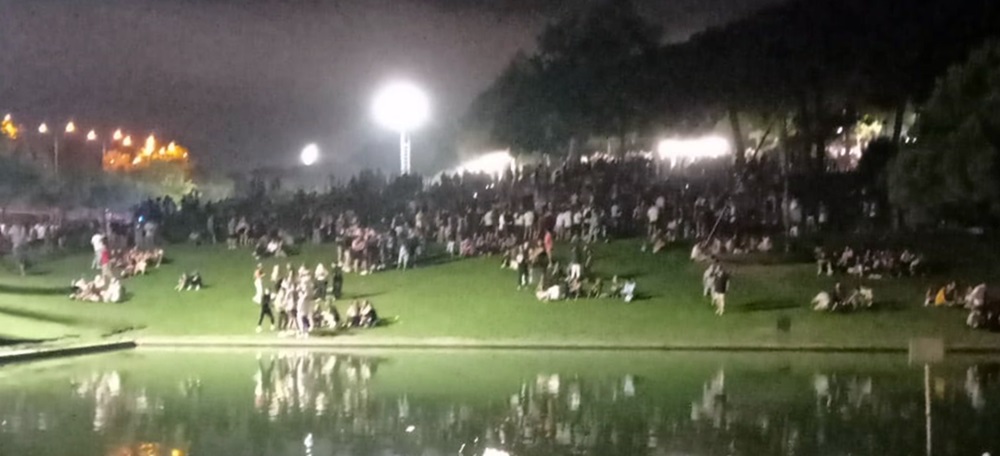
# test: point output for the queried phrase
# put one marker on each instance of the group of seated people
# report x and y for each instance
(555, 285)
(871, 264)
(270, 247)
(733, 245)
(360, 314)
(101, 289)
(134, 262)
(488, 243)
(839, 299)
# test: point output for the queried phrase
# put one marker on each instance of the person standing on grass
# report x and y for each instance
(549, 244)
(265, 310)
(338, 281)
(720, 285)
(522, 268)
(19, 245)
(105, 263)
(97, 241)
(258, 283)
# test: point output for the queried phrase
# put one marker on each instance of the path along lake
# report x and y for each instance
(179, 403)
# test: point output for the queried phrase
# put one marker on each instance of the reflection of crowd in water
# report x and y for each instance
(312, 383)
(557, 413)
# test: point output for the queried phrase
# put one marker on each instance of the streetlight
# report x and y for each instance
(309, 155)
(117, 136)
(91, 137)
(127, 142)
(70, 127)
(44, 129)
(401, 107)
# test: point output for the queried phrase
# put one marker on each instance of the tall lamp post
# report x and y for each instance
(401, 107)
(44, 130)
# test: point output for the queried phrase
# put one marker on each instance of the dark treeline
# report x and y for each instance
(796, 71)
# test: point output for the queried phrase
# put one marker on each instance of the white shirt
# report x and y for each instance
(97, 240)
(529, 218)
(653, 213)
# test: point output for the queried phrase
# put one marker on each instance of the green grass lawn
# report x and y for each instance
(475, 299)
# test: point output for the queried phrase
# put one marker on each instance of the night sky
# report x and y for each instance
(247, 83)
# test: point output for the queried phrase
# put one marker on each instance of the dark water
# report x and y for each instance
(495, 403)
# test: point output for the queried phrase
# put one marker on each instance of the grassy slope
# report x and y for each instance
(475, 299)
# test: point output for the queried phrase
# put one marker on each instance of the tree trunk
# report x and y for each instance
(897, 125)
(818, 135)
(739, 144)
(783, 147)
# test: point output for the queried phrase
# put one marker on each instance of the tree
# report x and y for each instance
(953, 172)
(19, 181)
(590, 76)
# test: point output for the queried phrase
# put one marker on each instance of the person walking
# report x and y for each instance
(265, 310)
(720, 285)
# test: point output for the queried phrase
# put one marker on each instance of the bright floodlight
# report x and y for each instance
(401, 107)
(693, 149)
(310, 154)
(70, 127)
(91, 135)
(43, 129)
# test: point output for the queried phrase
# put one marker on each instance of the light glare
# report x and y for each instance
(401, 106)
(490, 163)
(310, 155)
(693, 149)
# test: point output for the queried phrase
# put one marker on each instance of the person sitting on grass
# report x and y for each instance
(114, 292)
(947, 296)
(575, 288)
(353, 315)
(190, 282)
(549, 290)
(86, 291)
(596, 288)
(628, 290)
(368, 315)
(329, 317)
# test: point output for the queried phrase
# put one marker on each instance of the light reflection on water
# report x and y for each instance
(321, 403)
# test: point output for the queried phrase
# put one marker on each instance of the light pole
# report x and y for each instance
(91, 137)
(44, 129)
(401, 107)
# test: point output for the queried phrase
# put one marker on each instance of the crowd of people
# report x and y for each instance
(518, 216)
(304, 300)
(869, 263)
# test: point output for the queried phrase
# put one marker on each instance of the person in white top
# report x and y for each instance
(653, 214)
(488, 220)
(529, 224)
(97, 241)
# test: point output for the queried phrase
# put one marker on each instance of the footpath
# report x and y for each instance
(31, 352)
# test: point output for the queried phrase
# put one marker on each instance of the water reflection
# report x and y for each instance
(295, 403)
